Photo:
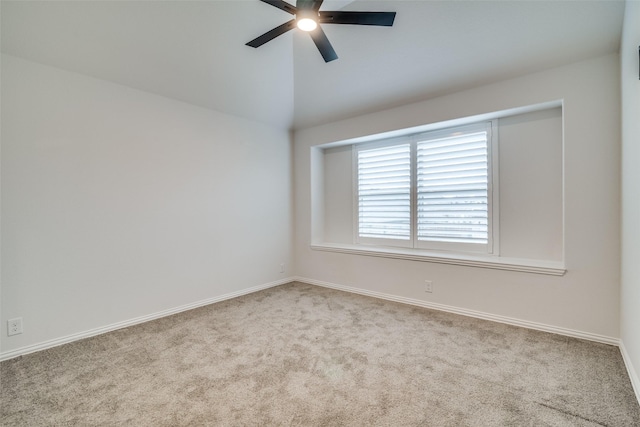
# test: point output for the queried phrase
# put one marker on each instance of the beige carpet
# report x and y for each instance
(308, 356)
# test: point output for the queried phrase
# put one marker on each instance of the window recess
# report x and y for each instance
(530, 194)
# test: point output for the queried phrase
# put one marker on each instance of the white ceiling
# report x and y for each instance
(194, 50)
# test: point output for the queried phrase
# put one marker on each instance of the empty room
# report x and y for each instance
(320, 213)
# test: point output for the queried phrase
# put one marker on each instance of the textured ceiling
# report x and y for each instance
(194, 51)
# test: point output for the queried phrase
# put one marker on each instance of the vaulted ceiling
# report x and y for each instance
(194, 51)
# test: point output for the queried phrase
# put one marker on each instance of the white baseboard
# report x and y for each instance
(470, 313)
(426, 304)
(633, 375)
(119, 325)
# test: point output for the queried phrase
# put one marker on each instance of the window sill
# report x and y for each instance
(552, 268)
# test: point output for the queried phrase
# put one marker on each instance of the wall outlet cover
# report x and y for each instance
(428, 286)
(14, 326)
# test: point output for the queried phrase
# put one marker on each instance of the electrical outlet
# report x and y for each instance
(14, 326)
(428, 286)
(282, 269)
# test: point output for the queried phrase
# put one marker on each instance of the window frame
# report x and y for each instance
(491, 248)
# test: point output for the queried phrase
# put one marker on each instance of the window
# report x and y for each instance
(431, 190)
(384, 193)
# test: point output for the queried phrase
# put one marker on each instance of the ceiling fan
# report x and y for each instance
(308, 16)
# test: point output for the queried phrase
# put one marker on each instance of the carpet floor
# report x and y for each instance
(301, 355)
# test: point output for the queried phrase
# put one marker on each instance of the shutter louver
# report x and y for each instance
(452, 186)
(384, 192)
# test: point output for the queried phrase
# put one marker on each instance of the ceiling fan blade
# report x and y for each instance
(283, 5)
(270, 35)
(316, 5)
(323, 44)
(384, 19)
(309, 4)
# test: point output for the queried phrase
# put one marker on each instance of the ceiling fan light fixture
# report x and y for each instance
(307, 20)
(306, 24)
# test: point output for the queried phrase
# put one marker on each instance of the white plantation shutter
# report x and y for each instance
(431, 190)
(384, 192)
(452, 188)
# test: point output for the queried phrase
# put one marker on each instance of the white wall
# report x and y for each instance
(118, 204)
(630, 293)
(586, 299)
